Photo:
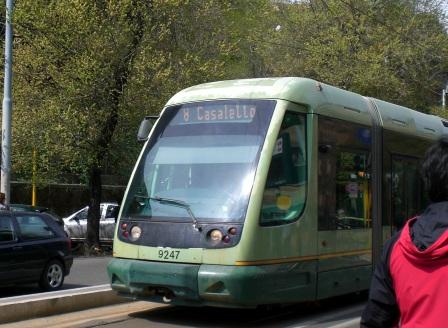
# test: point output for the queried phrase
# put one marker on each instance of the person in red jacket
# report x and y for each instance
(409, 287)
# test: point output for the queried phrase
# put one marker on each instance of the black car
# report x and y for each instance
(39, 209)
(33, 248)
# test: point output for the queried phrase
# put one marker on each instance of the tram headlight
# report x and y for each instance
(215, 235)
(136, 232)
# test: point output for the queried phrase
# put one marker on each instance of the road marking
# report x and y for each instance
(350, 323)
(328, 317)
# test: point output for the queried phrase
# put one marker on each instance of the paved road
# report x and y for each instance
(86, 271)
(342, 312)
(178, 317)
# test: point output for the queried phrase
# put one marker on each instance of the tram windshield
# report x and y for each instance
(203, 155)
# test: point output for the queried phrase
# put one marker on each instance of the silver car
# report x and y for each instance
(75, 225)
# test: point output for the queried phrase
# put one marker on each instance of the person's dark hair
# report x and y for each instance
(435, 170)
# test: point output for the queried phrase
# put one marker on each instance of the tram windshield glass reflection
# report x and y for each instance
(205, 155)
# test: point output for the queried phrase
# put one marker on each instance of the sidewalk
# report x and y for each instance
(86, 318)
(19, 308)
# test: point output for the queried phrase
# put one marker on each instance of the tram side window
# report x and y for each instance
(344, 175)
(352, 191)
(285, 190)
(405, 187)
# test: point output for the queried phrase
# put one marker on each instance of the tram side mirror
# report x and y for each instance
(145, 128)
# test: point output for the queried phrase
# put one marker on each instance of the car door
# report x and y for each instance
(77, 224)
(35, 236)
(10, 269)
(107, 222)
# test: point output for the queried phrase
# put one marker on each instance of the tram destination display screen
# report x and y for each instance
(216, 113)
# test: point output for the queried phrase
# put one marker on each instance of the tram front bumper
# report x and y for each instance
(215, 285)
(155, 281)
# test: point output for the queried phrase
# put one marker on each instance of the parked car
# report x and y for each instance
(75, 225)
(33, 248)
(38, 209)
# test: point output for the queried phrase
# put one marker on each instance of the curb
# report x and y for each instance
(45, 304)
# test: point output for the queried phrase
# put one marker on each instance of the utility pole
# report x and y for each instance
(5, 185)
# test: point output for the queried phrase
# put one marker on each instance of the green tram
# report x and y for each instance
(265, 191)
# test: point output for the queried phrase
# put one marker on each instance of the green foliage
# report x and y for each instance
(393, 50)
(439, 111)
(69, 57)
(83, 81)
(86, 72)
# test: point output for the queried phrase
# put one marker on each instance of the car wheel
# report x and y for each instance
(53, 276)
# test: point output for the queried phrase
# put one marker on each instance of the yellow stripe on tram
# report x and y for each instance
(303, 258)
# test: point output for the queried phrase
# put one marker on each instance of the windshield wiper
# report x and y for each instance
(179, 203)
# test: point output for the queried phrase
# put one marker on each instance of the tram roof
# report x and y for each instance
(319, 98)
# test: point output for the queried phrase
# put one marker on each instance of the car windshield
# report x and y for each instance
(204, 155)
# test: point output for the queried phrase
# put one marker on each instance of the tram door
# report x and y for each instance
(406, 190)
(344, 207)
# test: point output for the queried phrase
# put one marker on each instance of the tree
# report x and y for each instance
(76, 59)
(88, 70)
(394, 50)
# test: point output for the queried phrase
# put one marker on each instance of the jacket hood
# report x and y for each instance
(426, 237)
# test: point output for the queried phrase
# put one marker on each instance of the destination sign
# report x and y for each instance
(216, 113)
